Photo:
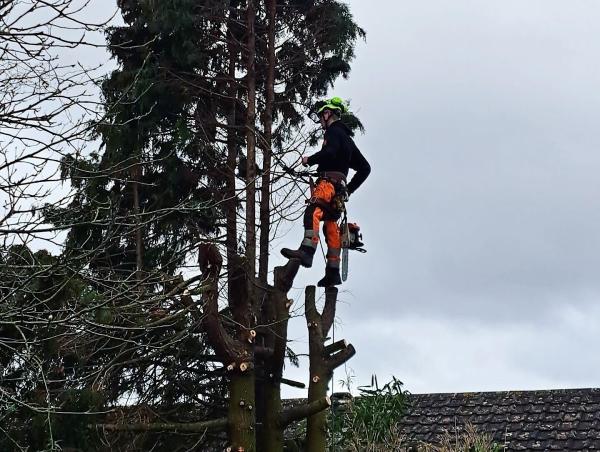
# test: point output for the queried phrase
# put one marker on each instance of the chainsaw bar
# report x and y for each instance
(344, 264)
(345, 244)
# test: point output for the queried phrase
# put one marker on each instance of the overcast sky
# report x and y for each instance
(482, 214)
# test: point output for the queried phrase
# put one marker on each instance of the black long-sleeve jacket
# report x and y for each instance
(339, 153)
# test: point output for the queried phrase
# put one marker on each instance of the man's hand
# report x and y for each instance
(305, 161)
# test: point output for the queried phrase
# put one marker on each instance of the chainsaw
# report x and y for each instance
(351, 240)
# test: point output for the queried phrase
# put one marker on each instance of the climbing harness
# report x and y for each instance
(337, 206)
(351, 236)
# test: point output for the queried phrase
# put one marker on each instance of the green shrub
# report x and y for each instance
(370, 422)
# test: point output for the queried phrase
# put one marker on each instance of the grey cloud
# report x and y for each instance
(484, 203)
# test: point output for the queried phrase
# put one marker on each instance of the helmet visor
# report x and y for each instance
(314, 113)
(314, 116)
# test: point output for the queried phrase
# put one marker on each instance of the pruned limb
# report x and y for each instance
(223, 344)
(335, 347)
(284, 276)
(341, 357)
(239, 300)
(182, 286)
(292, 383)
(304, 411)
(193, 427)
(226, 348)
(313, 318)
(328, 316)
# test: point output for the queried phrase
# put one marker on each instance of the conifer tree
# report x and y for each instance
(205, 112)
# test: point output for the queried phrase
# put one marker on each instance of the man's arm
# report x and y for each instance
(361, 166)
(329, 150)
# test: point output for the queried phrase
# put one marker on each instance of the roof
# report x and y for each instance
(567, 420)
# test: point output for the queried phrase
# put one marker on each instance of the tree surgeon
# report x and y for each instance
(338, 155)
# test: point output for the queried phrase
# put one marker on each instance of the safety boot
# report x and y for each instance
(332, 277)
(304, 253)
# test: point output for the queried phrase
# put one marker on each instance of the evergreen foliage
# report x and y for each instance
(158, 136)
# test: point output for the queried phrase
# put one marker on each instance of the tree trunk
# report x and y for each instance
(268, 388)
(265, 205)
(231, 198)
(139, 236)
(242, 434)
(316, 430)
(276, 314)
(235, 353)
(323, 360)
(251, 145)
(242, 402)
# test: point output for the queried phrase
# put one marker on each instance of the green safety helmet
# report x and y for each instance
(335, 104)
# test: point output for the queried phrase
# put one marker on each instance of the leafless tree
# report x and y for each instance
(46, 101)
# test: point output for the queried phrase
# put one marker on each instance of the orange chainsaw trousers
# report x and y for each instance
(315, 213)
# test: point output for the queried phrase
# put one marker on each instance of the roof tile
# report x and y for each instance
(566, 420)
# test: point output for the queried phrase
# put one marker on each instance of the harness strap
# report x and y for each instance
(336, 177)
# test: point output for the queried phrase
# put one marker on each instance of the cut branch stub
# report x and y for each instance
(310, 300)
(284, 276)
(328, 316)
(341, 357)
(335, 347)
(299, 412)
